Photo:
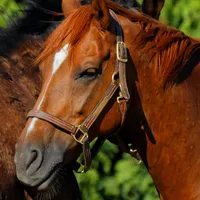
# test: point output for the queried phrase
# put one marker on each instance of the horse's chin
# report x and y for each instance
(51, 187)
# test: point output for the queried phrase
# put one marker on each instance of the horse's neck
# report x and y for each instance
(165, 129)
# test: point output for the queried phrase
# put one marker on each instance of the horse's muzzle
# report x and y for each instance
(37, 167)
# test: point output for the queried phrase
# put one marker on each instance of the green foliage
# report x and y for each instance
(183, 14)
(116, 176)
(8, 8)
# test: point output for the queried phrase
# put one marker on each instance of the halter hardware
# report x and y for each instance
(115, 77)
(122, 52)
(120, 97)
(81, 134)
(134, 153)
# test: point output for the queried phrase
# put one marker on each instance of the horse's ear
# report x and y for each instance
(152, 7)
(68, 6)
(101, 13)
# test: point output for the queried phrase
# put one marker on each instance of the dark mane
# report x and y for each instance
(125, 3)
(37, 18)
(159, 41)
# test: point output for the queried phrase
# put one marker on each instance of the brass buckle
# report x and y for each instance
(134, 153)
(120, 97)
(122, 52)
(115, 76)
(80, 134)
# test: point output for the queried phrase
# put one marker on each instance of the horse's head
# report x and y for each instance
(79, 71)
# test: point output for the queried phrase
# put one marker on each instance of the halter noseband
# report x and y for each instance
(118, 83)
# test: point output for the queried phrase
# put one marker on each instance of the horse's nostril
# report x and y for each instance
(34, 160)
(32, 157)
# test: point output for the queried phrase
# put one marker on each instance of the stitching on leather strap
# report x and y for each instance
(52, 119)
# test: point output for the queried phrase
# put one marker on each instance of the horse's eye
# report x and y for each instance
(89, 73)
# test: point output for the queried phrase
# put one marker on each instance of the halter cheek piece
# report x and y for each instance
(118, 84)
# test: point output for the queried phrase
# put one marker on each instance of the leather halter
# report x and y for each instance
(118, 84)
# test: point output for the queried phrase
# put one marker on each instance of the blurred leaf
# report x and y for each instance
(8, 9)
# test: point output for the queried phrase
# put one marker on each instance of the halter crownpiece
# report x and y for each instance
(118, 84)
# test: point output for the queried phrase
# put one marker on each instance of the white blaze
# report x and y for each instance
(59, 58)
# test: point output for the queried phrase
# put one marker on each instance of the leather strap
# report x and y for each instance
(101, 105)
(52, 119)
(122, 59)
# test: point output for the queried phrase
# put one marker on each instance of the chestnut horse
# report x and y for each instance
(147, 97)
(20, 83)
(20, 78)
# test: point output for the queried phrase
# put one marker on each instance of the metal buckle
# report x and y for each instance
(122, 52)
(134, 153)
(115, 76)
(83, 134)
(120, 97)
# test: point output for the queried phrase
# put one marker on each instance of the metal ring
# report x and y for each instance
(115, 76)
